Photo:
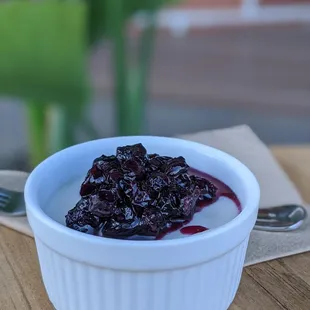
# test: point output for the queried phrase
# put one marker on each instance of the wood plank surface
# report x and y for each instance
(277, 285)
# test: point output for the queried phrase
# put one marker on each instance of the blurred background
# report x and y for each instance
(162, 69)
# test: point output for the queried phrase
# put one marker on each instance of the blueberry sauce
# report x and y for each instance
(223, 191)
(192, 230)
(136, 195)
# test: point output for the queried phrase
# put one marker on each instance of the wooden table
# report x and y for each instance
(279, 284)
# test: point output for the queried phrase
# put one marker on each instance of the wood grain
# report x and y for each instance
(279, 284)
(20, 281)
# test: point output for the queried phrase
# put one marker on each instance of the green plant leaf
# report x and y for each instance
(43, 50)
(96, 19)
(100, 18)
(134, 6)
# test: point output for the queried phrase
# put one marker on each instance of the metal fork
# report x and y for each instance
(12, 203)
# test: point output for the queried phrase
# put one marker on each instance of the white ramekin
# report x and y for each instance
(84, 272)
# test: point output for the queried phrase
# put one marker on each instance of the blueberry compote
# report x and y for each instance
(135, 195)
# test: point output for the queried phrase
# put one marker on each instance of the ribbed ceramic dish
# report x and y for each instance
(84, 272)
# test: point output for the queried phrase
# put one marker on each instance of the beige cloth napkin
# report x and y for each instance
(276, 189)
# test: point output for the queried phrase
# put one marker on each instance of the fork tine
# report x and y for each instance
(4, 199)
(4, 196)
(11, 203)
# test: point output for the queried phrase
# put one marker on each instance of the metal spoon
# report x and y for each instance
(280, 219)
(277, 219)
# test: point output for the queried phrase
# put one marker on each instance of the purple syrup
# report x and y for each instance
(223, 191)
(192, 230)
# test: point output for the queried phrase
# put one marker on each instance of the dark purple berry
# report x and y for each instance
(81, 219)
(130, 151)
(137, 194)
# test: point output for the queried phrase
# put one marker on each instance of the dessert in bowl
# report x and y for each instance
(181, 246)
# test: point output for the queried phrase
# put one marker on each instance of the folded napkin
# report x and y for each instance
(276, 189)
